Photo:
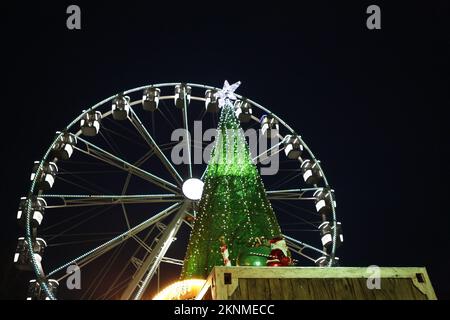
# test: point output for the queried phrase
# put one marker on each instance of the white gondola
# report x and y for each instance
(293, 147)
(269, 126)
(90, 123)
(120, 107)
(22, 259)
(243, 111)
(150, 99)
(37, 210)
(327, 232)
(63, 147)
(47, 175)
(182, 95)
(35, 292)
(311, 172)
(324, 261)
(211, 102)
(324, 201)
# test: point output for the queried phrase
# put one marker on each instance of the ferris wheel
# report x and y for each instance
(110, 201)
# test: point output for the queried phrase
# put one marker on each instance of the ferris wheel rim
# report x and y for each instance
(42, 277)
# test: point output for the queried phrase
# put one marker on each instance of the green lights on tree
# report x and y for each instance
(234, 203)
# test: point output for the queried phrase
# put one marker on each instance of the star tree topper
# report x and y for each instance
(227, 93)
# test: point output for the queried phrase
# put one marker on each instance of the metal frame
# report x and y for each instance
(150, 265)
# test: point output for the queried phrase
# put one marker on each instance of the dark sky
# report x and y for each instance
(371, 104)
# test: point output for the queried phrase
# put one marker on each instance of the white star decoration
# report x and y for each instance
(227, 93)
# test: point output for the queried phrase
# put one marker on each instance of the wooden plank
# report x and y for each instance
(264, 283)
(316, 272)
(220, 287)
(286, 289)
(300, 289)
(243, 286)
(241, 293)
(275, 289)
(206, 292)
(253, 290)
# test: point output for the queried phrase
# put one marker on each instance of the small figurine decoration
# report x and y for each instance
(271, 253)
(255, 255)
(279, 253)
(224, 251)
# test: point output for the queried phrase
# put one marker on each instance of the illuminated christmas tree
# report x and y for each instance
(234, 209)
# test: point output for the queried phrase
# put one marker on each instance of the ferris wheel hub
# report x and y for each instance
(193, 189)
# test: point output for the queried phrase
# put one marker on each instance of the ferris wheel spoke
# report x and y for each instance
(174, 261)
(114, 284)
(133, 141)
(130, 135)
(76, 242)
(170, 121)
(96, 172)
(286, 181)
(105, 247)
(143, 276)
(137, 123)
(79, 223)
(103, 272)
(165, 118)
(204, 174)
(295, 216)
(115, 290)
(201, 115)
(303, 245)
(142, 243)
(294, 247)
(101, 200)
(100, 154)
(290, 194)
(186, 128)
(111, 145)
(268, 153)
(92, 188)
(314, 224)
(66, 220)
(299, 208)
(138, 163)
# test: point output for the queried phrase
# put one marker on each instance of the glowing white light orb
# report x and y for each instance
(193, 189)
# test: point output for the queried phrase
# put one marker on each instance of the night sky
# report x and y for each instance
(370, 103)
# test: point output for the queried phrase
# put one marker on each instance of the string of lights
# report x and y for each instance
(234, 203)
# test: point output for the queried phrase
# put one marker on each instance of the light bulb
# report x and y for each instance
(193, 189)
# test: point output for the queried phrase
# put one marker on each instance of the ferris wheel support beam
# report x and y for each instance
(177, 262)
(268, 153)
(303, 190)
(304, 245)
(119, 239)
(100, 154)
(118, 276)
(142, 278)
(290, 194)
(71, 201)
(298, 250)
(137, 123)
(204, 174)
